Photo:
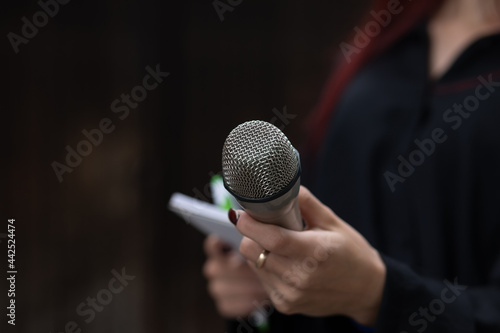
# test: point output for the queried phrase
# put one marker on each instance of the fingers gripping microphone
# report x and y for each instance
(261, 169)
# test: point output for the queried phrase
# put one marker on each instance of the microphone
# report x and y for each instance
(261, 169)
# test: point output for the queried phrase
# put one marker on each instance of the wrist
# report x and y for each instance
(366, 313)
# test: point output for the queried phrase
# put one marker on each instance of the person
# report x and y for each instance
(402, 228)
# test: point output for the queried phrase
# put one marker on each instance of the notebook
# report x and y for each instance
(206, 217)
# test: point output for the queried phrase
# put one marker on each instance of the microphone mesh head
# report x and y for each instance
(258, 161)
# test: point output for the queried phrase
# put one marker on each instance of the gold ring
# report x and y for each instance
(262, 259)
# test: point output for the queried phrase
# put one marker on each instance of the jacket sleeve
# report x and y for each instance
(412, 303)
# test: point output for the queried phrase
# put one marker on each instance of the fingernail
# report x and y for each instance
(226, 249)
(233, 216)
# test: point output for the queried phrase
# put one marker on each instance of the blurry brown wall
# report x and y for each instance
(110, 211)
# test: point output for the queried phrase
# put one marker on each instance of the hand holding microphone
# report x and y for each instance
(326, 269)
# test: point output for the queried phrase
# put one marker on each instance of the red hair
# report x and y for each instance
(399, 24)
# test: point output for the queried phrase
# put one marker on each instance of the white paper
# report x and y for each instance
(206, 217)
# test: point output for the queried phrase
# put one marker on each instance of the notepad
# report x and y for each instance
(206, 217)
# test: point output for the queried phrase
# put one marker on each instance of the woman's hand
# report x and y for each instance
(234, 286)
(328, 269)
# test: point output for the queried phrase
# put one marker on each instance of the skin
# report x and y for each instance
(455, 26)
(329, 268)
(231, 282)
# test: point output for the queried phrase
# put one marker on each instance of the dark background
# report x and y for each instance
(110, 211)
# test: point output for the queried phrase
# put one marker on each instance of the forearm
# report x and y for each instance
(414, 303)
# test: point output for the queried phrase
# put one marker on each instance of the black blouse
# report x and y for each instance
(414, 165)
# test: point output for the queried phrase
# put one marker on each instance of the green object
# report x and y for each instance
(220, 196)
(264, 327)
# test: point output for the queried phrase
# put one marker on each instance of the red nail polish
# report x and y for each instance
(226, 249)
(233, 216)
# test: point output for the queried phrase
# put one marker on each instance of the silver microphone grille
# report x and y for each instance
(258, 161)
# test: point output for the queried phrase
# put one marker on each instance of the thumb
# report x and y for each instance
(314, 212)
(214, 247)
